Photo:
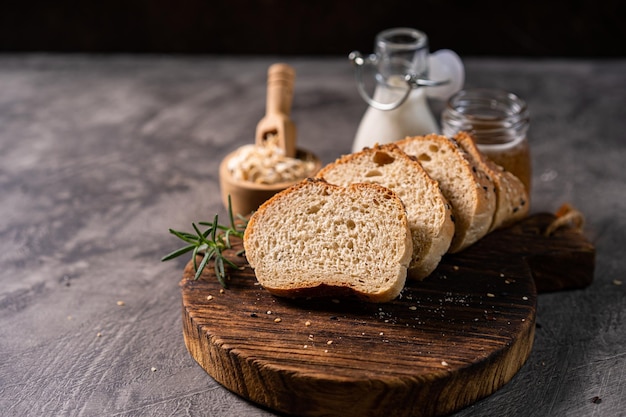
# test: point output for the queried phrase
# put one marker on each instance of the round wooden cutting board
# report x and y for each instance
(446, 342)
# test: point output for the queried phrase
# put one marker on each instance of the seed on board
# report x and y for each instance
(120, 303)
(307, 323)
(209, 297)
(444, 363)
(617, 282)
(153, 369)
(490, 295)
(277, 320)
(330, 342)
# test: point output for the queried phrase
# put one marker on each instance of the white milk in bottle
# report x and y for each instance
(399, 105)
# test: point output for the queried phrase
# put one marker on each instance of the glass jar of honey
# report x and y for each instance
(498, 121)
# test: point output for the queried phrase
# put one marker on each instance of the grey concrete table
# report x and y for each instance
(99, 156)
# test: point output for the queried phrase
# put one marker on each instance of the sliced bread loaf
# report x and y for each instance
(469, 190)
(511, 196)
(317, 239)
(429, 213)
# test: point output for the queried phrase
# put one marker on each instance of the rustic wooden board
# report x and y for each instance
(448, 341)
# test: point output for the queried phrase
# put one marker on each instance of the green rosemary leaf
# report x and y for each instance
(230, 213)
(230, 263)
(187, 237)
(177, 253)
(227, 235)
(214, 228)
(211, 252)
(201, 236)
(195, 258)
(219, 270)
(211, 243)
(203, 263)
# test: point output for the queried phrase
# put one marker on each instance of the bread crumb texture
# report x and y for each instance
(317, 234)
(429, 214)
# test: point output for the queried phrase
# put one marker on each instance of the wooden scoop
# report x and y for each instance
(276, 123)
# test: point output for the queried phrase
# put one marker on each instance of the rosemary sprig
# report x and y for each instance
(211, 243)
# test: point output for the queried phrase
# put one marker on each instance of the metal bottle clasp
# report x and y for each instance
(412, 82)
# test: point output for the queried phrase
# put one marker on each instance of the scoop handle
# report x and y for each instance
(280, 82)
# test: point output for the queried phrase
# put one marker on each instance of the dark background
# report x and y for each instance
(533, 28)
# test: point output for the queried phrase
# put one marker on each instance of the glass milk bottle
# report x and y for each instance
(401, 66)
(498, 121)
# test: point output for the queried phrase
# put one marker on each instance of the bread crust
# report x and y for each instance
(511, 195)
(474, 206)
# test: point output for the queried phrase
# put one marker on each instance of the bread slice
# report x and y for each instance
(469, 190)
(429, 213)
(511, 195)
(318, 239)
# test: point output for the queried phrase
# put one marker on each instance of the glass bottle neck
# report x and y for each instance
(401, 51)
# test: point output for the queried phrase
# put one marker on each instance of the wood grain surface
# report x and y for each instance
(446, 342)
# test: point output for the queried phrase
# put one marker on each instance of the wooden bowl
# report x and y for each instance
(247, 196)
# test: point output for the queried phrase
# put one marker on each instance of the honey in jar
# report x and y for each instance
(498, 121)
